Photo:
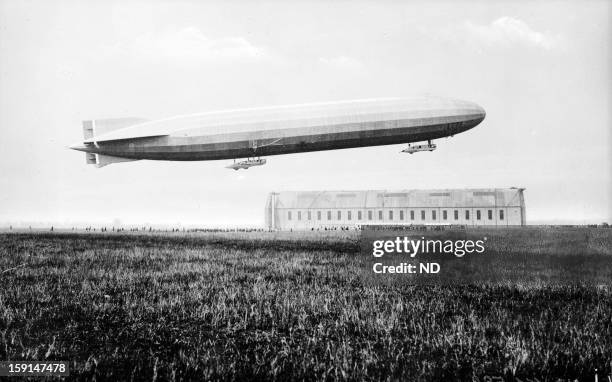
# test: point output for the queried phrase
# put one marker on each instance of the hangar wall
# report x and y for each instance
(305, 210)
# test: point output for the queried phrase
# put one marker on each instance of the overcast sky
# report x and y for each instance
(541, 70)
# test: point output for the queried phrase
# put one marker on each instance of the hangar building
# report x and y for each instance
(305, 210)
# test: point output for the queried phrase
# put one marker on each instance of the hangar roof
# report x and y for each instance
(482, 197)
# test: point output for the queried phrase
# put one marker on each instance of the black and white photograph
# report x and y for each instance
(306, 190)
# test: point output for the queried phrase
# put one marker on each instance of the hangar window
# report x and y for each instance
(411, 215)
(358, 215)
(467, 214)
(328, 215)
(490, 214)
(390, 215)
(422, 214)
(456, 215)
(501, 214)
(369, 215)
(484, 193)
(309, 215)
(380, 216)
(318, 215)
(444, 215)
(433, 215)
(477, 214)
(348, 215)
(299, 215)
(402, 215)
(288, 215)
(339, 215)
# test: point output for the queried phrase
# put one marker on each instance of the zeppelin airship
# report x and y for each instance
(247, 135)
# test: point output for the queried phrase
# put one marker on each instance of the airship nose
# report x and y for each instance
(459, 107)
(476, 112)
(473, 113)
(480, 112)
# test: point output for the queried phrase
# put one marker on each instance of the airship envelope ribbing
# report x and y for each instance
(249, 134)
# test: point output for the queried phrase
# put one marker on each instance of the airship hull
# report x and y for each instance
(266, 132)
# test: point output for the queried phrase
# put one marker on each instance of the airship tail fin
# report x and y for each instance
(96, 127)
(104, 160)
(90, 158)
(101, 160)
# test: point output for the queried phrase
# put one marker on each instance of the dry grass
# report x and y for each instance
(280, 306)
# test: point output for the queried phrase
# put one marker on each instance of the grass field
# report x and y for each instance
(286, 306)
